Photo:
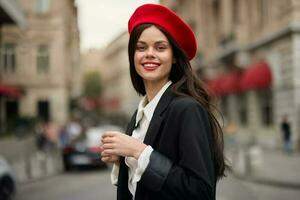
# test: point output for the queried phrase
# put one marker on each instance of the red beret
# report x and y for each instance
(164, 17)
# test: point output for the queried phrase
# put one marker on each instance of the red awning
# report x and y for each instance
(230, 83)
(10, 91)
(92, 103)
(225, 84)
(213, 86)
(111, 103)
(257, 76)
(89, 103)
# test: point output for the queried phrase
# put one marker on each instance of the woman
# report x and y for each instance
(173, 146)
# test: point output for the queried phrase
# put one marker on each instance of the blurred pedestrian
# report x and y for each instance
(74, 130)
(51, 131)
(41, 138)
(173, 146)
(286, 134)
(63, 136)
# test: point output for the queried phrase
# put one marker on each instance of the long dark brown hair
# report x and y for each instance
(185, 83)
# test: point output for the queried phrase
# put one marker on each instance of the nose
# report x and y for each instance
(150, 53)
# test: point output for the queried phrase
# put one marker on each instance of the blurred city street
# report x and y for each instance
(235, 189)
(65, 80)
(79, 185)
(95, 185)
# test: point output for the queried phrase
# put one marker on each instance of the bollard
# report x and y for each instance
(239, 162)
(253, 159)
(27, 161)
(248, 166)
(256, 158)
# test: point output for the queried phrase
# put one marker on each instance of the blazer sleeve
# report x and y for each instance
(193, 176)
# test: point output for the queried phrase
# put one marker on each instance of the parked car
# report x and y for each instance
(7, 181)
(86, 152)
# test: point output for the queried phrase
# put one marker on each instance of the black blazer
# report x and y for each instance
(182, 163)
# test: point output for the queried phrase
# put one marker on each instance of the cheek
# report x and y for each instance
(137, 58)
(168, 70)
(168, 58)
(169, 61)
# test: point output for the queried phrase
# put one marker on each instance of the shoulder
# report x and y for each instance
(185, 111)
(186, 104)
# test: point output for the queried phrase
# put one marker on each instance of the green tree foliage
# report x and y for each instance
(92, 85)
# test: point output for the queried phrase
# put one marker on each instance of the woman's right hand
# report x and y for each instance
(109, 158)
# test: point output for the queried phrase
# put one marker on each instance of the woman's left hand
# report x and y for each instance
(116, 143)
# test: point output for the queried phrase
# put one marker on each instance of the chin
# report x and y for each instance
(150, 79)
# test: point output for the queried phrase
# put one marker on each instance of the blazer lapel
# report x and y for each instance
(157, 118)
(131, 124)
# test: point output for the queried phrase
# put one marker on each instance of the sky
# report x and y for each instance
(100, 21)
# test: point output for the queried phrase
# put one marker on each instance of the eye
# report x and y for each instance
(140, 47)
(161, 47)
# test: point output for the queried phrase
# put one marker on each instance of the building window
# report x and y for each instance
(266, 106)
(216, 10)
(242, 109)
(43, 108)
(263, 12)
(235, 14)
(11, 113)
(42, 59)
(8, 57)
(42, 6)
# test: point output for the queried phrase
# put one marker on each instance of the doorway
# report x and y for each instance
(44, 110)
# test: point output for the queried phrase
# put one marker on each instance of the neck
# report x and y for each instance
(153, 88)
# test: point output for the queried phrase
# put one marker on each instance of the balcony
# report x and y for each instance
(11, 13)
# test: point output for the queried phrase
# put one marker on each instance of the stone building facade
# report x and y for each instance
(43, 60)
(243, 36)
(92, 60)
(10, 14)
(118, 86)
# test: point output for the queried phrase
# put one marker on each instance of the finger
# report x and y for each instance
(108, 139)
(109, 160)
(101, 148)
(105, 159)
(109, 134)
(112, 133)
(105, 136)
(103, 154)
(110, 151)
(108, 146)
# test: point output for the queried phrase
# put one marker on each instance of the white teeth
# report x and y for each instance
(150, 65)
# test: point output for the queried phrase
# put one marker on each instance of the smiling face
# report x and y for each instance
(153, 57)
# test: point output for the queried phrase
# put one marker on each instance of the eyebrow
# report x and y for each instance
(160, 41)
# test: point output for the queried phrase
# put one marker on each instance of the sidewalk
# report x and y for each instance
(27, 162)
(262, 164)
(38, 166)
(278, 169)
